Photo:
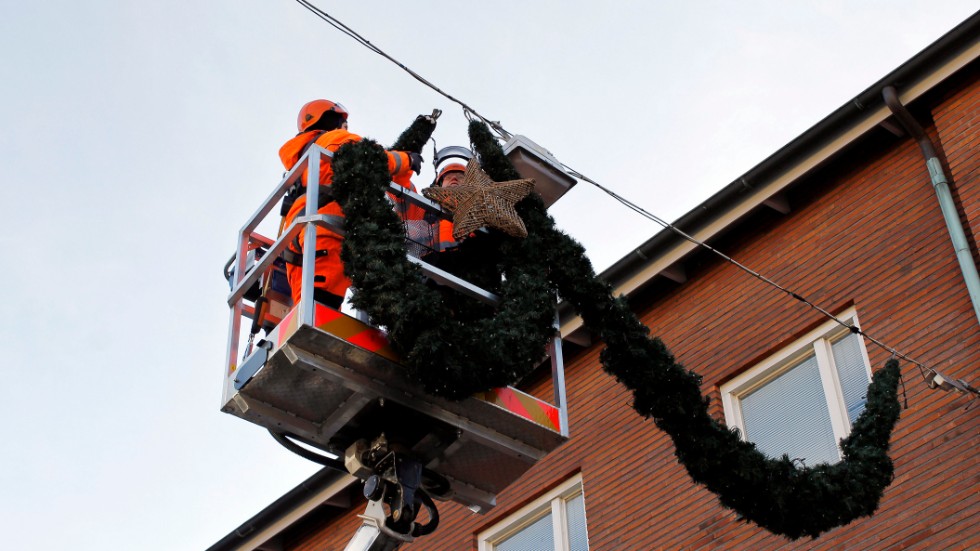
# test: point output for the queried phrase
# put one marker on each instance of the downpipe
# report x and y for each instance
(941, 186)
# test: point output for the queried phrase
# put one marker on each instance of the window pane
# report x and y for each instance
(575, 511)
(538, 536)
(789, 415)
(853, 374)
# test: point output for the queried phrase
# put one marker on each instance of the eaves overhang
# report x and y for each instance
(325, 486)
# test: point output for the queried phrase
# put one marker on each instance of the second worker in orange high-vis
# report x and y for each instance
(324, 123)
(449, 176)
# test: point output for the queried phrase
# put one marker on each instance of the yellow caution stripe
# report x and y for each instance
(353, 331)
(373, 340)
(524, 405)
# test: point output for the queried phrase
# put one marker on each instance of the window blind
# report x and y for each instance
(537, 536)
(575, 511)
(789, 415)
(852, 373)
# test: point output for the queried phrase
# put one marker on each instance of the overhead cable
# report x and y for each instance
(927, 372)
(340, 26)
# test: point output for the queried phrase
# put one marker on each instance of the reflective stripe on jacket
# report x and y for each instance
(399, 165)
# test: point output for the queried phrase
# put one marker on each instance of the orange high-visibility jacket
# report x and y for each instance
(444, 236)
(329, 272)
(406, 210)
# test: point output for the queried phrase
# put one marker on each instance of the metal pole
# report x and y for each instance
(558, 377)
(235, 321)
(309, 245)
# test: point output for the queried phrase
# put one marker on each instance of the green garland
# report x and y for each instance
(415, 136)
(476, 349)
(449, 355)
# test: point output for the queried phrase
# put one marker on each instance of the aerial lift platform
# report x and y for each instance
(331, 381)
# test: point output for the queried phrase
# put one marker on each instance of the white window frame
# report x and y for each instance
(817, 342)
(554, 502)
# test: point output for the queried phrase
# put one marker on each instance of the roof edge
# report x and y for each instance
(267, 523)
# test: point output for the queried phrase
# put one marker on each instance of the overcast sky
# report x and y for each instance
(137, 137)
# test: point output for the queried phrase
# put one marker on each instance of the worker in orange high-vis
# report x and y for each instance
(324, 123)
(449, 176)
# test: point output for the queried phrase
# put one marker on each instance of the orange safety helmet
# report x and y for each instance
(312, 111)
(453, 167)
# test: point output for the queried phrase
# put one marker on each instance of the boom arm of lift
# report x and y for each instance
(396, 487)
(373, 535)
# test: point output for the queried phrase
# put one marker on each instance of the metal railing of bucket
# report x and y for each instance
(244, 277)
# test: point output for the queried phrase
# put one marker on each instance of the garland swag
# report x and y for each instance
(480, 348)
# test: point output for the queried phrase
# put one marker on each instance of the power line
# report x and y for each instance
(924, 370)
(340, 26)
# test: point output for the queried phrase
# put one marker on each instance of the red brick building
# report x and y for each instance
(845, 215)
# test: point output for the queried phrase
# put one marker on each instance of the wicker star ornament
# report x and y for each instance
(480, 202)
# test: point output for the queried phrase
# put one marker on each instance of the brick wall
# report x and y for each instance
(869, 235)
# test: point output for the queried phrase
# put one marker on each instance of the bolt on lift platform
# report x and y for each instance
(331, 381)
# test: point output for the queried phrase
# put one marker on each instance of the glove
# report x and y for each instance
(416, 162)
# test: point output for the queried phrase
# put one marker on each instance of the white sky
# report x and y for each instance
(137, 137)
